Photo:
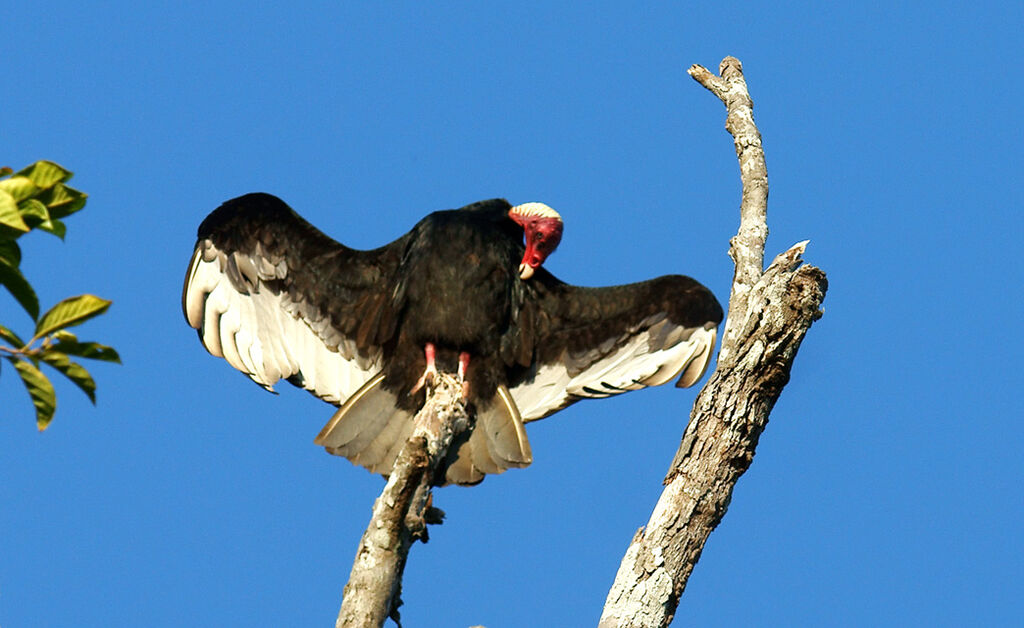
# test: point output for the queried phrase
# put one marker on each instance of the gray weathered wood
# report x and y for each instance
(769, 314)
(401, 512)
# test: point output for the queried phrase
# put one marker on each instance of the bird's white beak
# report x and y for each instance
(525, 271)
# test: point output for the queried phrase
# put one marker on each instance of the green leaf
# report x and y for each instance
(44, 398)
(62, 200)
(45, 173)
(20, 288)
(10, 252)
(10, 233)
(90, 350)
(73, 371)
(65, 336)
(55, 227)
(69, 312)
(9, 214)
(5, 170)
(37, 215)
(33, 212)
(11, 337)
(20, 188)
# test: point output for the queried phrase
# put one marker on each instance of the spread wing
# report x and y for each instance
(278, 299)
(597, 342)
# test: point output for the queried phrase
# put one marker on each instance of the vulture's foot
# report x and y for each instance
(430, 374)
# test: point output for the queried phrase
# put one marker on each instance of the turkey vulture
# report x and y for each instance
(362, 330)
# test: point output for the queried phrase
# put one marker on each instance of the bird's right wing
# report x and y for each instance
(597, 342)
(278, 299)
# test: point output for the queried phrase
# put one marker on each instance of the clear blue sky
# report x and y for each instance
(887, 487)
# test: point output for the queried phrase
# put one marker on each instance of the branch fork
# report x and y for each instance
(770, 312)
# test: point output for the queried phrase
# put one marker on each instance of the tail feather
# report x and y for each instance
(500, 429)
(379, 456)
(367, 427)
(461, 470)
(370, 430)
(359, 419)
(498, 442)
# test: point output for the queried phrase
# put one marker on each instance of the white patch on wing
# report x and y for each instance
(652, 355)
(265, 334)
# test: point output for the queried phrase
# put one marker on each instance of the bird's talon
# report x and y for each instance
(428, 379)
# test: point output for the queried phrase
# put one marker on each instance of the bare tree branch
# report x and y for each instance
(769, 315)
(747, 246)
(402, 511)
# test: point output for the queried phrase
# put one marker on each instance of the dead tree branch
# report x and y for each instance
(401, 512)
(769, 315)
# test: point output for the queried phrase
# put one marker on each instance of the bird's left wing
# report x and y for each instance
(278, 299)
(584, 343)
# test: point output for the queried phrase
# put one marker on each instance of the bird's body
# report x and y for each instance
(278, 299)
(456, 282)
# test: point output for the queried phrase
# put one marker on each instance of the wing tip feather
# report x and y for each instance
(698, 364)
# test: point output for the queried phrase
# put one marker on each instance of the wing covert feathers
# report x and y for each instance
(263, 331)
(278, 299)
(634, 365)
(598, 342)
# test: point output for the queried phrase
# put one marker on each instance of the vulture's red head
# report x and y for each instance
(542, 227)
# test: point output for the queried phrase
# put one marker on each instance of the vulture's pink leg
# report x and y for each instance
(429, 373)
(463, 367)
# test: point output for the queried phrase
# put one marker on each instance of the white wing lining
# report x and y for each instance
(650, 357)
(265, 334)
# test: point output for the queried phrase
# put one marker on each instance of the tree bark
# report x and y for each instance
(770, 312)
(402, 511)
